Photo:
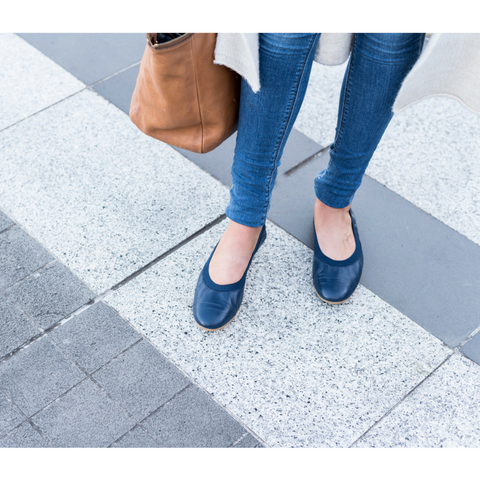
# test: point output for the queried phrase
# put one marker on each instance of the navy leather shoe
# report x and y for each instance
(336, 280)
(214, 306)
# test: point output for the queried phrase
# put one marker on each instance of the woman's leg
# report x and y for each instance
(265, 121)
(378, 65)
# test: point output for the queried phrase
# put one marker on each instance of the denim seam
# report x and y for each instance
(282, 136)
(346, 99)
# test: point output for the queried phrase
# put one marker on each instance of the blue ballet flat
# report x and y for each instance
(336, 280)
(214, 306)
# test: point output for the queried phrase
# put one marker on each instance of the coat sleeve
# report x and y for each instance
(449, 66)
(239, 51)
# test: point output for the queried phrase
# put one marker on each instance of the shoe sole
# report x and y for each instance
(332, 303)
(219, 328)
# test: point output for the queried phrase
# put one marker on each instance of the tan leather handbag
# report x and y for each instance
(181, 97)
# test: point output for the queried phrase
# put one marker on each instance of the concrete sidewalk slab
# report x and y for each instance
(5, 222)
(472, 348)
(95, 336)
(29, 80)
(125, 198)
(50, 294)
(193, 420)
(141, 380)
(10, 417)
(15, 328)
(136, 438)
(20, 256)
(430, 155)
(38, 375)
(442, 412)
(296, 371)
(25, 436)
(84, 417)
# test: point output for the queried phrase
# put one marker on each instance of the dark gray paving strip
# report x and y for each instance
(25, 436)
(247, 441)
(413, 261)
(192, 419)
(95, 336)
(218, 163)
(91, 57)
(5, 222)
(118, 89)
(50, 295)
(10, 416)
(84, 417)
(16, 329)
(137, 437)
(141, 380)
(472, 348)
(20, 256)
(37, 376)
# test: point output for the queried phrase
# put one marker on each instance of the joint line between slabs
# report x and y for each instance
(173, 397)
(27, 276)
(136, 427)
(45, 108)
(7, 229)
(239, 440)
(101, 296)
(166, 254)
(390, 410)
(112, 75)
(307, 160)
(460, 345)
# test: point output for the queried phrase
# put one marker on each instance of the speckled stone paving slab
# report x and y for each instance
(99, 194)
(430, 155)
(29, 81)
(296, 371)
(442, 412)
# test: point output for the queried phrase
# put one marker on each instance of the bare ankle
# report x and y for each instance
(233, 253)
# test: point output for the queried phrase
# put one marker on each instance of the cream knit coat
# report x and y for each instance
(448, 66)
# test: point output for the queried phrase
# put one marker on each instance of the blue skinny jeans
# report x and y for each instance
(378, 64)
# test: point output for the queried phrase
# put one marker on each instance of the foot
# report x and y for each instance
(233, 253)
(333, 227)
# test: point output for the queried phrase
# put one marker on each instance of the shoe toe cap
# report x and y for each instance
(212, 315)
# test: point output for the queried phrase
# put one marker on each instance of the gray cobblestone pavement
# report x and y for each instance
(73, 373)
